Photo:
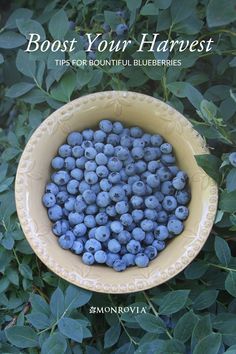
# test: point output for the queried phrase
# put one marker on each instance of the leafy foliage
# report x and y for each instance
(196, 311)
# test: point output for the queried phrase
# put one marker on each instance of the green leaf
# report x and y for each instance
(230, 283)
(25, 271)
(150, 323)
(39, 304)
(72, 329)
(58, 25)
(222, 251)
(10, 40)
(220, 13)
(22, 336)
(62, 92)
(112, 335)
(202, 329)
(231, 180)
(21, 13)
(76, 297)
(38, 320)
(57, 303)
(149, 10)
(185, 89)
(210, 164)
(1, 59)
(195, 270)
(12, 276)
(210, 344)
(19, 89)
(24, 64)
(180, 13)
(133, 4)
(184, 327)
(205, 299)
(227, 201)
(6, 184)
(4, 283)
(173, 302)
(31, 26)
(54, 344)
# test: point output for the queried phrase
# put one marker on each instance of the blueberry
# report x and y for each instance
(139, 142)
(87, 144)
(178, 183)
(168, 159)
(61, 178)
(121, 29)
(137, 215)
(111, 210)
(108, 149)
(90, 177)
(146, 225)
(175, 227)
(126, 219)
(69, 204)
(149, 238)
(52, 188)
(89, 221)
(99, 147)
(90, 153)
(80, 230)
(152, 202)
(169, 203)
(128, 258)
(116, 226)
(75, 218)
(77, 247)
(49, 200)
(93, 245)
(151, 252)
(146, 138)
(181, 212)
(122, 207)
(141, 260)
(100, 256)
(183, 197)
(81, 161)
(83, 186)
(106, 27)
(139, 188)
(77, 174)
(91, 209)
(126, 141)
(153, 180)
(113, 139)
(123, 154)
(161, 233)
(150, 214)
(55, 213)
(73, 186)
(111, 258)
(74, 138)
(136, 201)
(69, 163)
(167, 188)
(103, 199)
(117, 193)
(164, 174)
(105, 185)
(102, 233)
(101, 159)
(87, 134)
(140, 166)
(88, 258)
(137, 153)
(60, 227)
(232, 159)
(173, 169)
(66, 240)
(79, 204)
(106, 125)
(89, 196)
(151, 153)
(162, 216)
(117, 128)
(159, 245)
(114, 246)
(65, 150)
(136, 132)
(77, 151)
(90, 166)
(114, 177)
(101, 218)
(156, 140)
(138, 234)
(96, 188)
(102, 171)
(119, 265)
(114, 164)
(57, 163)
(127, 189)
(99, 136)
(166, 148)
(124, 237)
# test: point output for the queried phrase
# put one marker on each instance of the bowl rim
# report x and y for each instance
(26, 223)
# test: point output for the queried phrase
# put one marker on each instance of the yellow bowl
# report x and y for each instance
(34, 170)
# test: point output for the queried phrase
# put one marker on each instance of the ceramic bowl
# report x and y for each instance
(34, 170)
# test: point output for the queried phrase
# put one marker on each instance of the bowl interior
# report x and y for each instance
(132, 109)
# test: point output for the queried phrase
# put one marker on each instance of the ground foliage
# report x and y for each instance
(196, 311)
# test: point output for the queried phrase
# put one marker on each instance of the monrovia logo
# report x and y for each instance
(149, 42)
(118, 309)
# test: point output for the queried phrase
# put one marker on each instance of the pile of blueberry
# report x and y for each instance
(116, 195)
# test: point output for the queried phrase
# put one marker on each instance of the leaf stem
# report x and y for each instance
(221, 267)
(16, 257)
